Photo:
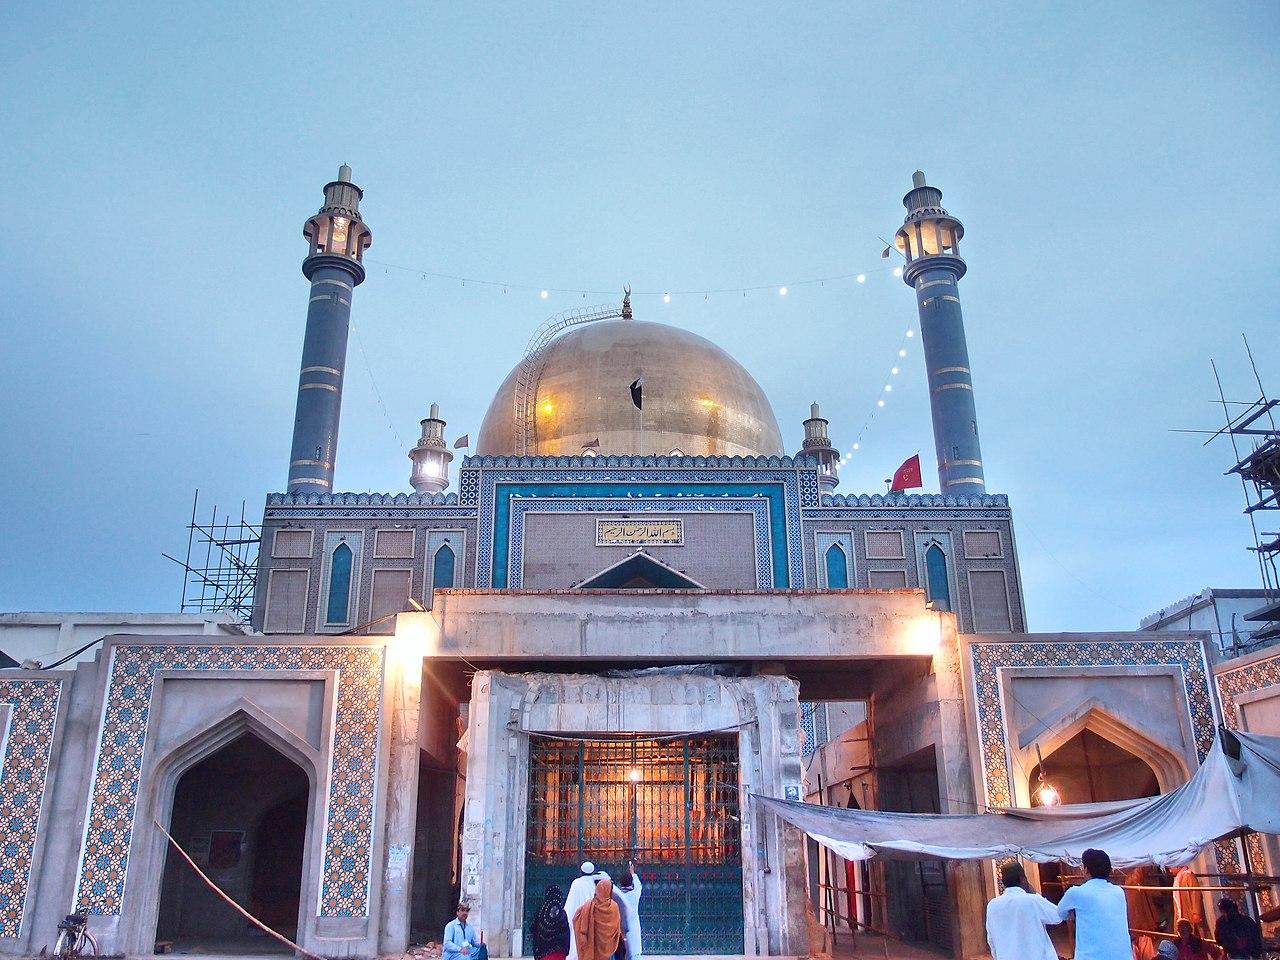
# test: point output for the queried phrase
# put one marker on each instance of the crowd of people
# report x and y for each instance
(600, 920)
(1017, 922)
(596, 920)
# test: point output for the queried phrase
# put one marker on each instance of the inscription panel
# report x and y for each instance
(640, 533)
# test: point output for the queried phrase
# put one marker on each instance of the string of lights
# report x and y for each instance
(907, 339)
(666, 295)
(546, 292)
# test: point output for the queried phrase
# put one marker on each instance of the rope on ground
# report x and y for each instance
(239, 909)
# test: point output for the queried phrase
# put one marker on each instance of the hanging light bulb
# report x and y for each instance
(782, 291)
(894, 371)
(862, 278)
(544, 294)
(902, 353)
(666, 298)
(1046, 794)
(879, 403)
(897, 271)
(634, 774)
(857, 446)
(888, 388)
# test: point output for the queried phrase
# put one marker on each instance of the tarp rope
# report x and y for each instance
(235, 906)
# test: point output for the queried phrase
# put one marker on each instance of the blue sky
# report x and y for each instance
(1115, 166)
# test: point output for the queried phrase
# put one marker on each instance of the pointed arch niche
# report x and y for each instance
(1166, 768)
(251, 788)
(1095, 757)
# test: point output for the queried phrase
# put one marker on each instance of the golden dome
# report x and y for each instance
(698, 400)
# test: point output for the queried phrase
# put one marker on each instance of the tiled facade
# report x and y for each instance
(1235, 680)
(122, 741)
(989, 661)
(28, 713)
(780, 495)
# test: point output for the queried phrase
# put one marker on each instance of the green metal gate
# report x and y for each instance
(669, 804)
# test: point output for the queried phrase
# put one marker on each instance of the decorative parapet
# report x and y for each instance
(1177, 607)
(362, 499)
(913, 500)
(627, 461)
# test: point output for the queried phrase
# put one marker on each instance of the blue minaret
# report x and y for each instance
(338, 239)
(930, 241)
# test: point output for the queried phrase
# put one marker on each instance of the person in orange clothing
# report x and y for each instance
(597, 926)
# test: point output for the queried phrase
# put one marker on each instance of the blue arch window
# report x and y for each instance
(837, 567)
(340, 563)
(935, 568)
(442, 568)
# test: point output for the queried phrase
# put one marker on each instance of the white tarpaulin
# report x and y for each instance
(1225, 797)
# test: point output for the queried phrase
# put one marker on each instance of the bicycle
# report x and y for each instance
(74, 938)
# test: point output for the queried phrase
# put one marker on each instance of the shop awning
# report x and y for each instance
(1235, 791)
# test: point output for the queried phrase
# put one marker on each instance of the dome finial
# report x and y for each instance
(626, 303)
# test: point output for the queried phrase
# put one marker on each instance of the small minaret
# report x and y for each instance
(818, 444)
(338, 239)
(930, 241)
(431, 457)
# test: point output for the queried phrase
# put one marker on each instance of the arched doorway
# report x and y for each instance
(241, 813)
(1089, 768)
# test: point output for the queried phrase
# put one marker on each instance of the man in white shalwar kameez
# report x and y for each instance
(629, 889)
(580, 891)
(1017, 918)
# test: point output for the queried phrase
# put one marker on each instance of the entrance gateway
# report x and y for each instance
(670, 804)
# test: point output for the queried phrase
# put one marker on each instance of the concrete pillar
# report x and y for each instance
(403, 686)
(966, 881)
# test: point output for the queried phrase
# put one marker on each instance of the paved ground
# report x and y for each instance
(870, 946)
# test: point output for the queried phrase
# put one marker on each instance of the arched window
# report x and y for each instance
(340, 563)
(935, 567)
(442, 568)
(837, 567)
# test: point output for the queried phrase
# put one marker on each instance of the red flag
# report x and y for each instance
(907, 475)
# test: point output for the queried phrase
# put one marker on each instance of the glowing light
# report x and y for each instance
(897, 271)
(910, 332)
(902, 353)
(666, 298)
(888, 388)
(894, 371)
(782, 291)
(634, 774)
(417, 634)
(862, 278)
(1048, 795)
(857, 446)
(544, 294)
(879, 403)
(922, 635)
(548, 407)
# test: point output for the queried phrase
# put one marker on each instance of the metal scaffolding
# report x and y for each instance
(1255, 441)
(220, 570)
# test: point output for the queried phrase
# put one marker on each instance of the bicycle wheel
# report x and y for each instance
(87, 941)
(59, 945)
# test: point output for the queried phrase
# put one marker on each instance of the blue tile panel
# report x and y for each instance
(28, 747)
(990, 659)
(494, 483)
(511, 574)
(348, 843)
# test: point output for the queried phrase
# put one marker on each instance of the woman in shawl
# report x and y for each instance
(597, 926)
(551, 927)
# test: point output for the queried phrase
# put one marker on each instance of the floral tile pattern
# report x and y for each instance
(28, 746)
(991, 659)
(1231, 684)
(348, 842)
